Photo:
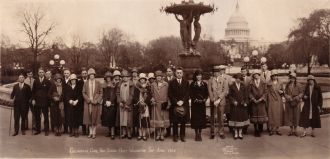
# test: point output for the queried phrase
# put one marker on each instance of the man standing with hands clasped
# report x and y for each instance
(179, 96)
(218, 90)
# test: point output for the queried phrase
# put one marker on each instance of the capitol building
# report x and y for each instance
(237, 41)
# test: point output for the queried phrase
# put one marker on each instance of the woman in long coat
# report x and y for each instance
(275, 104)
(257, 95)
(141, 100)
(109, 105)
(293, 94)
(198, 95)
(310, 114)
(57, 103)
(160, 106)
(238, 101)
(124, 93)
(73, 95)
(92, 93)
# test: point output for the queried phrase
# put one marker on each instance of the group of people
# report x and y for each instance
(131, 104)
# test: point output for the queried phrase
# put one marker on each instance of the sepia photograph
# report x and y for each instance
(229, 79)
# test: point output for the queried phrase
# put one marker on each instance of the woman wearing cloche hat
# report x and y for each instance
(57, 103)
(109, 106)
(293, 93)
(73, 96)
(141, 100)
(275, 104)
(125, 90)
(92, 93)
(160, 106)
(310, 114)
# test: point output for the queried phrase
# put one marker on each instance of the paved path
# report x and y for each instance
(281, 147)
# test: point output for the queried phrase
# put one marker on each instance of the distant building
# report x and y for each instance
(237, 41)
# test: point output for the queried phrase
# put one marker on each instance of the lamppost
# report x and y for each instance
(246, 61)
(263, 60)
(255, 59)
(56, 63)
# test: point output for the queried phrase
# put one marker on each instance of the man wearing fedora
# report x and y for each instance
(218, 90)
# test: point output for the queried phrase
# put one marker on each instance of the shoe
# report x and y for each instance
(129, 137)
(295, 134)
(37, 133)
(222, 136)
(167, 135)
(278, 133)
(16, 133)
(94, 136)
(123, 136)
(139, 138)
(157, 138)
(90, 136)
(112, 137)
(303, 135)
(290, 134)
(175, 138)
(240, 136)
(23, 132)
(71, 134)
(271, 133)
(46, 133)
(145, 138)
(312, 135)
(212, 137)
(161, 138)
(182, 139)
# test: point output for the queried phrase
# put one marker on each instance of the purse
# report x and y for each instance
(164, 106)
(180, 111)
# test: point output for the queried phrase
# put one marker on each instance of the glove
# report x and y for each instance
(75, 102)
(180, 103)
(108, 103)
(217, 102)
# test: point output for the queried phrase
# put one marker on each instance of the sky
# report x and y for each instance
(142, 21)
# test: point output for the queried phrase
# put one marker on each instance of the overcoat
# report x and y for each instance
(94, 116)
(310, 114)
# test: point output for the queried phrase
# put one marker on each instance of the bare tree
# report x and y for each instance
(110, 45)
(75, 51)
(35, 27)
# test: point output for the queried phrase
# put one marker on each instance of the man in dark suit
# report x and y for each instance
(67, 74)
(169, 77)
(81, 82)
(41, 101)
(21, 94)
(179, 95)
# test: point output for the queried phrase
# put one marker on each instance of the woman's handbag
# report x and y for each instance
(180, 111)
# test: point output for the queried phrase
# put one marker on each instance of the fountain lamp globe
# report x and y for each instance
(246, 59)
(56, 56)
(62, 62)
(52, 62)
(255, 53)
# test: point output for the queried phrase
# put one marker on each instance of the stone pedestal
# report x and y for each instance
(190, 63)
